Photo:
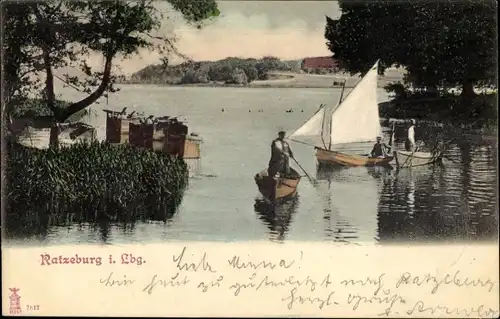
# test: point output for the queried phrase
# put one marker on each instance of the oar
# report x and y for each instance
(314, 182)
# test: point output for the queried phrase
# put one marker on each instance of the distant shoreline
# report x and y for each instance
(247, 86)
(284, 80)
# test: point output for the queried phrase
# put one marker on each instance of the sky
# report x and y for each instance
(284, 29)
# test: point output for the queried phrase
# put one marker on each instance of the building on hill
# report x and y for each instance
(324, 62)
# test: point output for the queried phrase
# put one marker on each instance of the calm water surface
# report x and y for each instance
(455, 201)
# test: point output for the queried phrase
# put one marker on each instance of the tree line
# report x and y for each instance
(439, 43)
(231, 70)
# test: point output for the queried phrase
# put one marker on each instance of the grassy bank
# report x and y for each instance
(89, 183)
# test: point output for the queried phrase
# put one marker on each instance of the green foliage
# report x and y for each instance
(223, 71)
(481, 111)
(113, 182)
(194, 76)
(238, 77)
(198, 11)
(18, 51)
(440, 43)
(60, 33)
(37, 108)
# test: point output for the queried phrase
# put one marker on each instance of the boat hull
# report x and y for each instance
(328, 157)
(277, 189)
(405, 159)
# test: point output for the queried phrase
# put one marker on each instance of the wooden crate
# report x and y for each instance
(174, 144)
(170, 137)
(176, 139)
(117, 130)
(117, 126)
(159, 137)
(141, 134)
(192, 148)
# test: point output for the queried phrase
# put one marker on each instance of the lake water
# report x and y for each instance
(455, 201)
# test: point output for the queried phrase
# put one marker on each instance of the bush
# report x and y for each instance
(194, 76)
(91, 182)
(398, 90)
(238, 77)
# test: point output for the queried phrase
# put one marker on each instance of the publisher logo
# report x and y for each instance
(15, 302)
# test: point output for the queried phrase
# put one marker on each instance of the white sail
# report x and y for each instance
(312, 128)
(357, 119)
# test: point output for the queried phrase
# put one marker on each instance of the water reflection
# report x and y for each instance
(432, 203)
(97, 226)
(349, 204)
(440, 202)
(337, 228)
(377, 205)
(277, 217)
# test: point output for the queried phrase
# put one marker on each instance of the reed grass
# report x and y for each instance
(90, 182)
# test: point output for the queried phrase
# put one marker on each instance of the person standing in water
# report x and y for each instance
(280, 156)
(410, 140)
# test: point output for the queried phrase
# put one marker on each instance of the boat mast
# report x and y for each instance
(330, 120)
(323, 127)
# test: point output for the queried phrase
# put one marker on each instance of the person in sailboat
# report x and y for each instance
(280, 156)
(379, 149)
(410, 141)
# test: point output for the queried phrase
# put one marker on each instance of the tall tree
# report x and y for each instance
(440, 43)
(19, 59)
(63, 32)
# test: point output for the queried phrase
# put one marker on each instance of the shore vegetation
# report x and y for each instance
(90, 182)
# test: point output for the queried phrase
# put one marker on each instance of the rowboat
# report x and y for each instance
(407, 159)
(277, 189)
(355, 120)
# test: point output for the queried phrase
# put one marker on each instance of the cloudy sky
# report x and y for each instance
(285, 29)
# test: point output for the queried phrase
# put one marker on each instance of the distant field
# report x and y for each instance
(288, 79)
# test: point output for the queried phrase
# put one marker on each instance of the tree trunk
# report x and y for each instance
(50, 100)
(54, 135)
(94, 96)
(468, 90)
(45, 30)
(431, 90)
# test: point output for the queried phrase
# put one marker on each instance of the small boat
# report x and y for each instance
(277, 189)
(407, 159)
(355, 120)
(328, 157)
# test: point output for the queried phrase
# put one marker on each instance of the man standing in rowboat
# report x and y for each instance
(410, 141)
(280, 156)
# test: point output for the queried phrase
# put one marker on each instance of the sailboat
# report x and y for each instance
(355, 120)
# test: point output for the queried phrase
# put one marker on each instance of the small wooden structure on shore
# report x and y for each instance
(162, 134)
(35, 132)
